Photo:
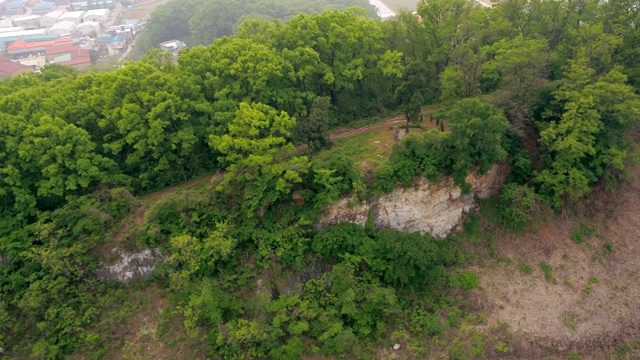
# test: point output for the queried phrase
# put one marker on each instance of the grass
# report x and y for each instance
(573, 356)
(571, 320)
(577, 237)
(607, 248)
(548, 272)
(627, 350)
(373, 147)
(525, 268)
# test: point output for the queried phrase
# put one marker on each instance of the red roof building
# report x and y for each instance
(57, 50)
(79, 58)
(9, 68)
(22, 46)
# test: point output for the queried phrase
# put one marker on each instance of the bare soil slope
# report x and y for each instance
(590, 303)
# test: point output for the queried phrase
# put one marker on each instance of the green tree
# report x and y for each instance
(311, 129)
(588, 140)
(451, 86)
(49, 159)
(252, 152)
(522, 66)
(412, 110)
(477, 131)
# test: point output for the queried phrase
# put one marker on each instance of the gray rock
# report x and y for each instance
(4, 260)
(131, 266)
(437, 209)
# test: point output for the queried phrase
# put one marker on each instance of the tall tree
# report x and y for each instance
(252, 153)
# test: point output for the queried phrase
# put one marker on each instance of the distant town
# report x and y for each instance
(76, 34)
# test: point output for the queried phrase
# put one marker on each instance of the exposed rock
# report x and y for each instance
(131, 266)
(396, 346)
(297, 198)
(346, 209)
(432, 208)
(4, 260)
(398, 135)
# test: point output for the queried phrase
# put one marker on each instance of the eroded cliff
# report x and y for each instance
(426, 207)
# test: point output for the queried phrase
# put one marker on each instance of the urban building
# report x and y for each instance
(11, 29)
(98, 4)
(97, 15)
(75, 16)
(43, 8)
(29, 22)
(116, 45)
(21, 47)
(16, 7)
(6, 23)
(63, 28)
(9, 68)
(53, 51)
(49, 19)
(88, 28)
(173, 46)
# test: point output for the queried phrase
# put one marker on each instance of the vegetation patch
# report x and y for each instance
(547, 270)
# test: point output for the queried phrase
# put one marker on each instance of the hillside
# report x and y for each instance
(456, 185)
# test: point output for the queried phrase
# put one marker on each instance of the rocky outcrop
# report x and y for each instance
(131, 266)
(427, 207)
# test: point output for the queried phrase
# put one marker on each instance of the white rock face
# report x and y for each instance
(437, 209)
(131, 266)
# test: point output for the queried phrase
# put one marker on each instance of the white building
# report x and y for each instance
(88, 28)
(5, 23)
(11, 29)
(29, 22)
(49, 19)
(98, 15)
(75, 16)
(172, 46)
(63, 28)
(383, 10)
(21, 33)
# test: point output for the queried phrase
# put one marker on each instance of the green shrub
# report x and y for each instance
(467, 280)
(518, 206)
(525, 268)
(548, 272)
(166, 218)
(385, 179)
(577, 237)
(338, 240)
(425, 319)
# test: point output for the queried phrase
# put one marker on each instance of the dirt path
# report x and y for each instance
(173, 189)
(154, 196)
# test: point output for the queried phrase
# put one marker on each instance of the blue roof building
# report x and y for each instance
(43, 8)
(15, 7)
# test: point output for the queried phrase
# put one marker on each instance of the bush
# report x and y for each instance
(577, 237)
(385, 179)
(467, 280)
(519, 205)
(345, 238)
(163, 221)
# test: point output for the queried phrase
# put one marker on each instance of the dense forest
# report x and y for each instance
(548, 86)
